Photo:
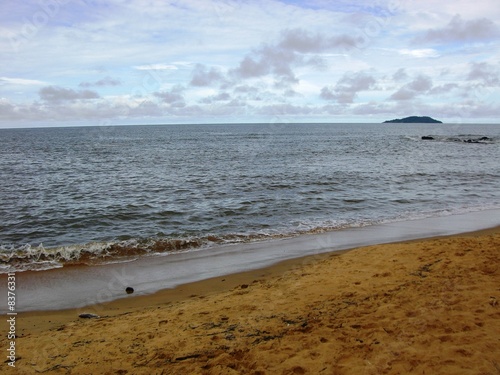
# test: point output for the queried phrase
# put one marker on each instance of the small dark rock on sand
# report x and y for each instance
(88, 316)
(129, 290)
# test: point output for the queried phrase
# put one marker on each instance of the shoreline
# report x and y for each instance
(42, 320)
(80, 286)
(416, 306)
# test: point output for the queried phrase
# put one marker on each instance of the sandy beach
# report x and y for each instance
(418, 307)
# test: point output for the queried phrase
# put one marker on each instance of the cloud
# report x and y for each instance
(419, 53)
(486, 73)
(174, 97)
(156, 67)
(444, 89)
(20, 81)
(400, 75)
(403, 94)
(292, 50)
(15, 112)
(113, 108)
(268, 60)
(203, 59)
(458, 30)
(7, 110)
(246, 89)
(59, 94)
(374, 108)
(223, 96)
(299, 40)
(327, 94)
(284, 109)
(291, 93)
(419, 85)
(106, 81)
(348, 86)
(202, 76)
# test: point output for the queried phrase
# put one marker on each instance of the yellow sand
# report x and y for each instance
(420, 307)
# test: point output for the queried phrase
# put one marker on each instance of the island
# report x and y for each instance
(415, 120)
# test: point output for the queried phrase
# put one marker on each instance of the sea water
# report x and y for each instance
(108, 194)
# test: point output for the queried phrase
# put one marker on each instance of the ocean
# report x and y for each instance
(94, 195)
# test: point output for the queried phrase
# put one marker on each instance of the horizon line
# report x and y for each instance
(247, 123)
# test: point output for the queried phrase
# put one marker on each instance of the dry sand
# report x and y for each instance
(419, 307)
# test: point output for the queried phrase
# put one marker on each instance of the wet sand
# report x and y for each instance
(416, 307)
(78, 286)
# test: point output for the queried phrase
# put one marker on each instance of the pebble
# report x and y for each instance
(88, 316)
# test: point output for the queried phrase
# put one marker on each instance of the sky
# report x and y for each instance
(92, 62)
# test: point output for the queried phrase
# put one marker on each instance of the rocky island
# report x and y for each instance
(415, 120)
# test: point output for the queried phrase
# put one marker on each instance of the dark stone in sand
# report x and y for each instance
(427, 137)
(88, 316)
(129, 290)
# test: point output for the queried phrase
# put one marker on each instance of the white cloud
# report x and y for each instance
(20, 81)
(419, 53)
(156, 67)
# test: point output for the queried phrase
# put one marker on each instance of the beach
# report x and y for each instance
(426, 306)
(228, 187)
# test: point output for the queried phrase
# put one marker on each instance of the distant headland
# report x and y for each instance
(415, 120)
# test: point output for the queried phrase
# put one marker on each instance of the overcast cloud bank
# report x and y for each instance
(80, 62)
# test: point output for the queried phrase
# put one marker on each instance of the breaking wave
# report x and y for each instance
(39, 258)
